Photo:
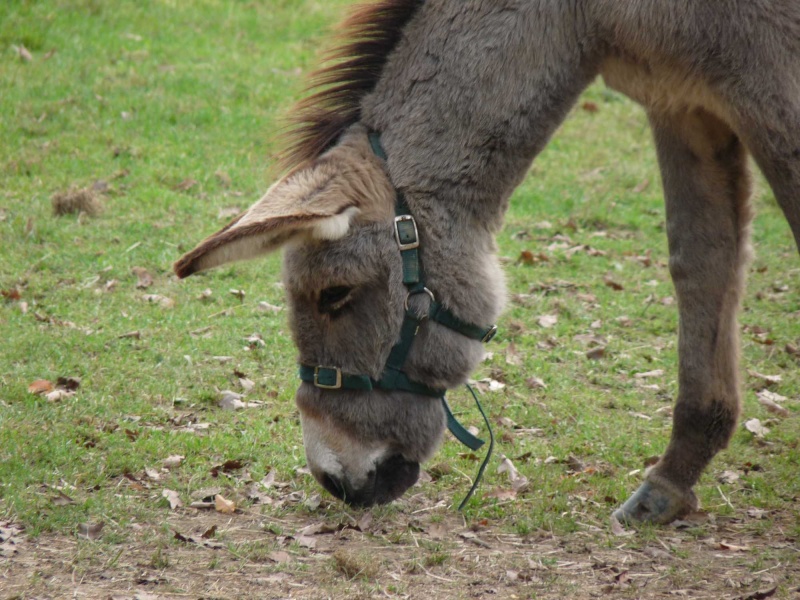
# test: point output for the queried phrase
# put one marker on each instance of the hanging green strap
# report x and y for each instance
(470, 440)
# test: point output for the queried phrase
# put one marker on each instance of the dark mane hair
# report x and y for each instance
(348, 72)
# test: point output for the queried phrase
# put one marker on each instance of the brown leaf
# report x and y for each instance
(162, 301)
(760, 595)
(68, 383)
(590, 107)
(12, 294)
(596, 353)
(185, 185)
(173, 498)
(58, 395)
(768, 379)
(223, 505)
(210, 532)
(227, 467)
(173, 461)
(769, 400)
(144, 279)
(547, 321)
(40, 387)
(641, 186)
(90, 531)
(24, 54)
(614, 285)
(62, 500)
(280, 556)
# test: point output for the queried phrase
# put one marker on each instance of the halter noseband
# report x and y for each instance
(393, 376)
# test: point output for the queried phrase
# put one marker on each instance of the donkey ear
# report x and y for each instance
(319, 201)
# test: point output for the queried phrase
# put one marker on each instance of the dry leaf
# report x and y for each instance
(58, 395)
(536, 383)
(647, 374)
(90, 531)
(769, 400)
(144, 279)
(40, 387)
(279, 556)
(185, 185)
(24, 53)
(172, 462)
(768, 379)
(596, 353)
(755, 427)
(513, 356)
(547, 321)
(618, 530)
(173, 498)
(728, 477)
(223, 505)
(267, 307)
(162, 301)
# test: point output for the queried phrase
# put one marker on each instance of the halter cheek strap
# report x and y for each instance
(393, 376)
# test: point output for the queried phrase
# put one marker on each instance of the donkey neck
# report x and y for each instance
(469, 96)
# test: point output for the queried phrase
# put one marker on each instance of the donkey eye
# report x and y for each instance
(333, 298)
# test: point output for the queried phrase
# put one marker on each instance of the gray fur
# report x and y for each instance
(466, 99)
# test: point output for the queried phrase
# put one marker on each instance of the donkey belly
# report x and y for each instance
(660, 87)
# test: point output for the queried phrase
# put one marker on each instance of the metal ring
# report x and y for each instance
(423, 290)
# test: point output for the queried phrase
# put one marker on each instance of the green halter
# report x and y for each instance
(393, 376)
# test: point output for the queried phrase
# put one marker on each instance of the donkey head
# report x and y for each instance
(343, 275)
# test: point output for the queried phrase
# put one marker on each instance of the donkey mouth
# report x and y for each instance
(388, 481)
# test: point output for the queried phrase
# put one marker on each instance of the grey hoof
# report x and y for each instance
(654, 503)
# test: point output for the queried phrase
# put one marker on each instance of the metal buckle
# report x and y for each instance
(490, 334)
(409, 227)
(337, 385)
(422, 291)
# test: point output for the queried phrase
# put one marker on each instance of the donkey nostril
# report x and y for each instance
(333, 485)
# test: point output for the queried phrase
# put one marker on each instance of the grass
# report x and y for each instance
(170, 109)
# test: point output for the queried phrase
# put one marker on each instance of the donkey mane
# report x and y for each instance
(349, 71)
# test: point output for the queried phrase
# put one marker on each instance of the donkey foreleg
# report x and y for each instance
(707, 189)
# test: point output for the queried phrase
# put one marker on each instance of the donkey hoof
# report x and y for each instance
(652, 503)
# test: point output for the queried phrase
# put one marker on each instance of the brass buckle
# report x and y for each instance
(409, 225)
(490, 334)
(335, 386)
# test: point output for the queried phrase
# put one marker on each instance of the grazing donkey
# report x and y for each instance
(400, 167)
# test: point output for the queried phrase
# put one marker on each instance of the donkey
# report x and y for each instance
(425, 118)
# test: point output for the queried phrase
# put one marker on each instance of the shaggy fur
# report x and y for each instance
(465, 93)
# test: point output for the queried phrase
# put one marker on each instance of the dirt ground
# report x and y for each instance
(424, 551)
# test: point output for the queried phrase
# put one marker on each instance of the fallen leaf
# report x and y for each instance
(513, 356)
(279, 556)
(769, 400)
(755, 427)
(223, 505)
(227, 467)
(173, 498)
(618, 530)
(144, 279)
(547, 321)
(590, 107)
(90, 531)
(62, 500)
(162, 301)
(40, 387)
(23, 53)
(12, 294)
(267, 307)
(596, 353)
(536, 383)
(614, 285)
(58, 395)
(723, 545)
(728, 477)
(648, 374)
(641, 186)
(306, 541)
(768, 379)
(173, 461)
(185, 185)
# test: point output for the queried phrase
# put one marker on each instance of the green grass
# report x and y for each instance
(142, 96)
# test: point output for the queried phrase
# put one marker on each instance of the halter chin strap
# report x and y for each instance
(393, 376)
